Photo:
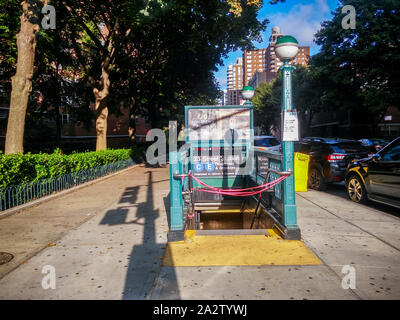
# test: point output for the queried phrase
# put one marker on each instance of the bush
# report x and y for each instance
(17, 168)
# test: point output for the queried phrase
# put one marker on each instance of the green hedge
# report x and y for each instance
(17, 168)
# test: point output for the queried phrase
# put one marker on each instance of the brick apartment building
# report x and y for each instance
(234, 83)
(234, 75)
(262, 65)
(253, 61)
(234, 97)
(257, 66)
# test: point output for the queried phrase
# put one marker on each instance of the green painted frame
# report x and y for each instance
(219, 181)
(287, 205)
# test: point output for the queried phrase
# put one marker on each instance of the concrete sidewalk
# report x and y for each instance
(115, 252)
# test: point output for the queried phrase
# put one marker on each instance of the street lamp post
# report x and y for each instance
(248, 93)
(286, 49)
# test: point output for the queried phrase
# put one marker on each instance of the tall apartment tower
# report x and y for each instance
(224, 97)
(253, 61)
(234, 75)
(234, 82)
(262, 65)
(274, 63)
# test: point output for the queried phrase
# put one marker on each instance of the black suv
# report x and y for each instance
(329, 158)
(377, 177)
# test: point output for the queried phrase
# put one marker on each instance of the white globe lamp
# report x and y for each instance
(247, 93)
(286, 48)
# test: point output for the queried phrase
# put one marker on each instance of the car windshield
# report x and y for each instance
(349, 147)
(392, 153)
(266, 142)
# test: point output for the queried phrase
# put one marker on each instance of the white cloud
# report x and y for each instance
(323, 5)
(222, 81)
(302, 21)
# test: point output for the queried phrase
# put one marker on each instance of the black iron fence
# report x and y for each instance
(12, 196)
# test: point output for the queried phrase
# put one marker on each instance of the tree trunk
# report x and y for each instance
(102, 110)
(101, 125)
(21, 83)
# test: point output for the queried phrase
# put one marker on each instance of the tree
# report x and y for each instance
(99, 47)
(306, 96)
(357, 68)
(267, 102)
(169, 47)
(105, 38)
(58, 86)
(10, 11)
(179, 49)
(22, 80)
(97, 34)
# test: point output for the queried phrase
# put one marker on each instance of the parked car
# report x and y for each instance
(269, 143)
(329, 158)
(376, 177)
(375, 143)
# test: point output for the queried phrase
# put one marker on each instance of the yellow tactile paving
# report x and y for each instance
(237, 250)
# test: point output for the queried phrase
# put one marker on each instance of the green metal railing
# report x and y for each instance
(264, 161)
(276, 201)
(12, 196)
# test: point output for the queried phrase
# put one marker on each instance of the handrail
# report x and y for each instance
(176, 175)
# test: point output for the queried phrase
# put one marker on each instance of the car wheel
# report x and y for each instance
(356, 190)
(316, 180)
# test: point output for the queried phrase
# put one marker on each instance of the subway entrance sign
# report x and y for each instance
(217, 161)
(220, 135)
(218, 175)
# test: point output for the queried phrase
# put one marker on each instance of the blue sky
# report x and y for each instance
(301, 19)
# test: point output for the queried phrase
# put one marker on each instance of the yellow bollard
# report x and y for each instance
(301, 161)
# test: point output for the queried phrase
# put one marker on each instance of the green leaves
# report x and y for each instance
(267, 100)
(160, 55)
(17, 168)
(357, 69)
(9, 25)
(266, 103)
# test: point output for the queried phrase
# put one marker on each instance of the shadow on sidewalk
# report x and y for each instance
(167, 205)
(145, 259)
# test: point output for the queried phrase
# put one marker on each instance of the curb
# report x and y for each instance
(9, 212)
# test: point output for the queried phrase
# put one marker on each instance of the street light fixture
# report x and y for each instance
(247, 93)
(286, 49)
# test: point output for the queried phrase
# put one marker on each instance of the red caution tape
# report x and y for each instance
(239, 192)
